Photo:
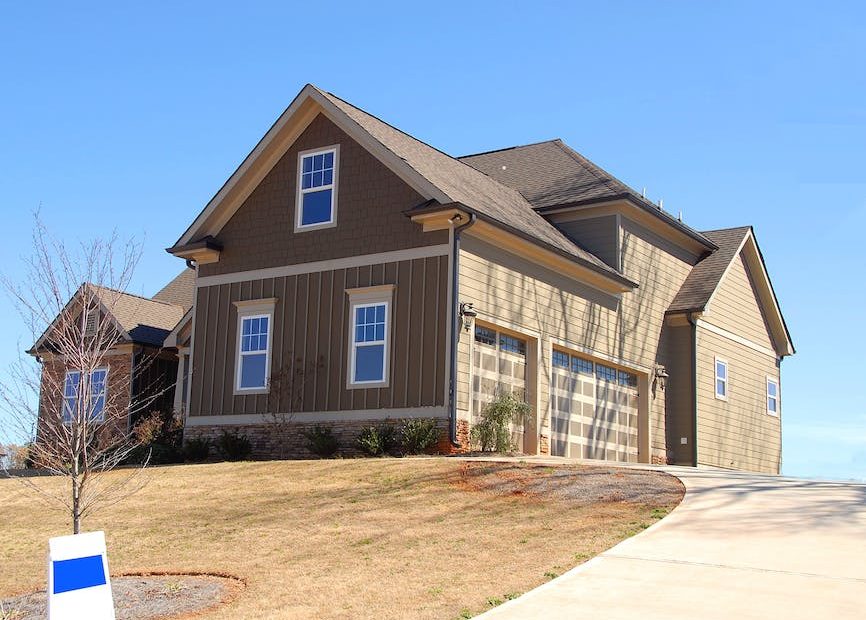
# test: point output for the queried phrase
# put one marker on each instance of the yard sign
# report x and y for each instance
(78, 583)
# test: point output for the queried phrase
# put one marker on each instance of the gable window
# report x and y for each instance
(369, 337)
(721, 379)
(94, 388)
(317, 188)
(255, 326)
(772, 396)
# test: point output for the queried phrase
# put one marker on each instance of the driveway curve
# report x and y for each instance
(738, 546)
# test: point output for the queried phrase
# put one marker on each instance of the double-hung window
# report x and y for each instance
(317, 188)
(369, 336)
(721, 379)
(84, 395)
(255, 329)
(772, 396)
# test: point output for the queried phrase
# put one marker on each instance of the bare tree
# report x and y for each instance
(286, 396)
(70, 397)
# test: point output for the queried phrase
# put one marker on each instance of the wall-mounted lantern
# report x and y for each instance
(468, 314)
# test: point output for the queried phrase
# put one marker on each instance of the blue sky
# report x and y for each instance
(734, 113)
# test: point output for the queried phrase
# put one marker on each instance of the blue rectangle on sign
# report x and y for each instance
(78, 573)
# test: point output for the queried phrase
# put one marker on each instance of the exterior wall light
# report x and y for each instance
(468, 314)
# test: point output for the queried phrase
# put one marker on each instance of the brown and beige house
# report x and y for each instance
(399, 282)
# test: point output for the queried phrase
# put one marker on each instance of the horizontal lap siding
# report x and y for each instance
(737, 432)
(735, 306)
(599, 235)
(310, 332)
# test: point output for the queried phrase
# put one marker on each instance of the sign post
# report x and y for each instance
(78, 578)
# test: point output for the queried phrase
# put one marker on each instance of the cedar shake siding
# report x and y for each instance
(311, 324)
(370, 203)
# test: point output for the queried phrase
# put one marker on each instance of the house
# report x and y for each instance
(348, 273)
(139, 373)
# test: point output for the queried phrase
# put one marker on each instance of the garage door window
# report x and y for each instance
(605, 373)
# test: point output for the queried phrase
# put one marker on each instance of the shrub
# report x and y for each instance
(159, 437)
(196, 450)
(493, 433)
(377, 440)
(419, 435)
(234, 447)
(321, 441)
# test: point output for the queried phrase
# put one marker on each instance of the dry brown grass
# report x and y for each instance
(410, 538)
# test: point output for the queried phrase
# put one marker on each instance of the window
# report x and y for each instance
(560, 359)
(581, 366)
(369, 336)
(317, 188)
(94, 403)
(626, 378)
(485, 335)
(772, 396)
(368, 345)
(253, 357)
(605, 373)
(512, 344)
(721, 379)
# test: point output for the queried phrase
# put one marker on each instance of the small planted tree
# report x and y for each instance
(76, 427)
(286, 388)
(493, 432)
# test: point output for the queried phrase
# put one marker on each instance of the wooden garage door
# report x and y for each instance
(498, 365)
(593, 410)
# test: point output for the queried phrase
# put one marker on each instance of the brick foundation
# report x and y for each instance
(267, 441)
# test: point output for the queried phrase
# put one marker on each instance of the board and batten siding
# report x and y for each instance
(311, 329)
(512, 292)
(737, 432)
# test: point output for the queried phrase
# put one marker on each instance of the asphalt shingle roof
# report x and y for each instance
(706, 275)
(145, 320)
(180, 291)
(466, 185)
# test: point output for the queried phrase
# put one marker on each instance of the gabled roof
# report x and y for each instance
(705, 277)
(435, 175)
(551, 174)
(146, 321)
(699, 288)
(180, 291)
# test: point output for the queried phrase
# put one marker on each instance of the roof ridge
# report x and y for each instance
(508, 148)
(128, 294)
(600, 173)
(715, 230)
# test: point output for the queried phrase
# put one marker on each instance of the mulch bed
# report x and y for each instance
(142, 597)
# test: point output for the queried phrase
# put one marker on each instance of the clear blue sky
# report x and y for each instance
(734, 113)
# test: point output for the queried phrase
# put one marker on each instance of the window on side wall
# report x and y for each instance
(369, 336)
(84, 393)
(772, 396)
(254, 342)
(721, 379)
(317, 188)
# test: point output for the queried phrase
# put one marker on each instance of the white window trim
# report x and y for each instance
(299, 204)
(716, 378)
(775, 381)
(80, 373)
(254, 309)
(364, 298)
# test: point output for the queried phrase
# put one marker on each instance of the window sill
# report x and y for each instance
(250, 391)
(365, 386)
(310, 227)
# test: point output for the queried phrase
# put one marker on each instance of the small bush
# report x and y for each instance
(234, 447)
(377, 440)
(493, 433)
(196, 450)
(419, 435)
(321, 441)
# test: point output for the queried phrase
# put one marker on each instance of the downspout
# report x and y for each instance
(455, 331)
(694, 373)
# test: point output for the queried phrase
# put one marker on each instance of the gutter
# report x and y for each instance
(455, 333)
(694, 373)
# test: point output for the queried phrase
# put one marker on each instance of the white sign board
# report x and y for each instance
(78, 581)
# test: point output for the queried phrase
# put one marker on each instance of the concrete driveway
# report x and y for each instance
(739, 546)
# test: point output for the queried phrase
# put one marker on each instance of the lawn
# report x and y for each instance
(374, 538)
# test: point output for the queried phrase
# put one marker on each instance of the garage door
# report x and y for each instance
(594, 410)
(498, 365)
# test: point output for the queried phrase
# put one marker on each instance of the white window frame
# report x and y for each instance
(726, 379)
(254, 309)
(299, 199)
(365, 298)
(82, 374)
(775, 382)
